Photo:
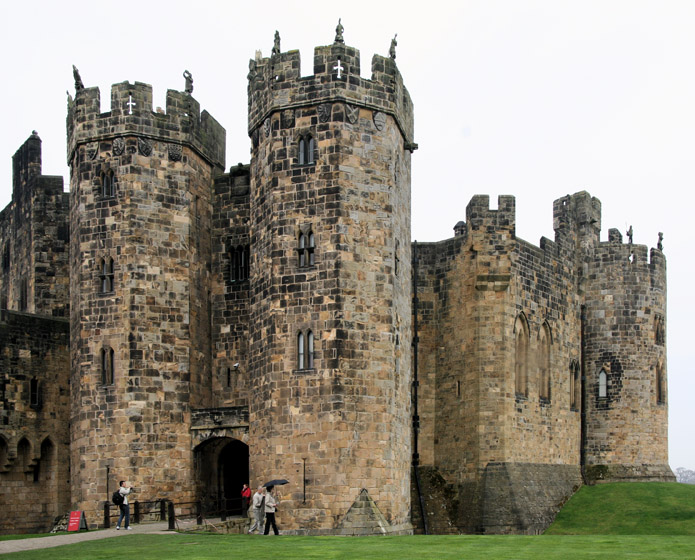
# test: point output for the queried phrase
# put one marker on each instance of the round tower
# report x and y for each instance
(625, 396)
(331, 290)
(140, 325)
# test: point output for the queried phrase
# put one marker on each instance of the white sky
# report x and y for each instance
(537, 99)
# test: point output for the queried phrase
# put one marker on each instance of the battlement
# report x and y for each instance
(132, 114)
(480, 217)
(579, 213)
(275, 84)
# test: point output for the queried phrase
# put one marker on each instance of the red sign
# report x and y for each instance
(77, 521)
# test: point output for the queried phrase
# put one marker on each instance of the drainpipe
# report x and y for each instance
(582, 449)
(416, 417)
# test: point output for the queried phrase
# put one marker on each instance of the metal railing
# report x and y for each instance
(163, 510)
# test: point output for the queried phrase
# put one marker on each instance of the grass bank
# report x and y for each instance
(649, 508)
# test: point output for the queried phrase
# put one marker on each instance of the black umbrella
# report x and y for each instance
(275, 482)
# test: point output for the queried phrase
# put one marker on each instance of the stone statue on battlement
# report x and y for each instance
(189, 82)
(392, 49)
(78, 80)
(339, 33)
(276, 43)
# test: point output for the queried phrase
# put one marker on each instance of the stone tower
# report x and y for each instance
(140, 322)
(331, 289)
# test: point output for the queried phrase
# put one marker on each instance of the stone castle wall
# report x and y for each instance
(230, 288)
(34, 430)
(477, 293)
(34, 239)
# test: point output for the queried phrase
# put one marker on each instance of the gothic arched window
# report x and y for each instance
(544, 362)
(305, 350)
(305, 248)
(107, 366)
(108, 187)
(602, 384)
(521, 339)
(239, 263)
(34, 393)
(106, 274)
(307, 150)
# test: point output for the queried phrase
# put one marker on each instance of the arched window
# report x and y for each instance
(305, 249)
(34, 393)
(108, 184)
(544, 362)
(107, 365)
(106, 274)
(660, 384)
(310, 350)
(307, 150)
(239, 263)
(300, 351)
(602, 384)
(305, 350)
(521, 339)
(23, 294)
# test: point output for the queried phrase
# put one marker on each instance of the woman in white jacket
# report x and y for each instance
(271, 504)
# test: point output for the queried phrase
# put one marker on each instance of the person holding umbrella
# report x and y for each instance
(271, 504)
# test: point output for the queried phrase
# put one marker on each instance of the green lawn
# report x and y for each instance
(469, 547)
(648, 508)
(650, 521)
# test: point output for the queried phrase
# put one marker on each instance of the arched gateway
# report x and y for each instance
(222, 467)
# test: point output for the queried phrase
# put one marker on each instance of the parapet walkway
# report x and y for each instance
(20, 545)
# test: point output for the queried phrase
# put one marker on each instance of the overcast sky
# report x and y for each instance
(533, 99)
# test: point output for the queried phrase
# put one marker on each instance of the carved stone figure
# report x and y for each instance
(324, 111)
(276, 43)
(392, 49)
(175, 152)
(339, 33)
(629, 234)
(189, 82)
(78, 80)
(287, 118)
(379, 120)
(144, 146)
(118, 146)
(659, 244)
(352, 112)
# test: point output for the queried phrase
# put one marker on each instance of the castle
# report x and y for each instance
(190, 329)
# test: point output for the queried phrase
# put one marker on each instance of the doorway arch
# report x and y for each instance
(222, 467)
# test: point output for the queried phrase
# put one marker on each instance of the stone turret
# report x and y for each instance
(140, 322)
(331, 287)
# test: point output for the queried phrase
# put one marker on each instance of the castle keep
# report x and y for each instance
(190, 329)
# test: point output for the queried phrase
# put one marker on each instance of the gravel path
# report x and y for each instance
(81, 536)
